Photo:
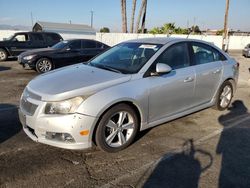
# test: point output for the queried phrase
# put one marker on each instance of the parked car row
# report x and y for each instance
(43, 51)
(61, 54)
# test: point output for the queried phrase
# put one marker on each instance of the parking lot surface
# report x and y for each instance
(206, 149)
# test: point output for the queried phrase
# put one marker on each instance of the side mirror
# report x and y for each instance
(162, 68)
(14, 40)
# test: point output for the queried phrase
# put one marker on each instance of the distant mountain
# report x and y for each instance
(14, 27)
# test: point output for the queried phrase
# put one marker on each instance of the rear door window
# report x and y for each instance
(205, 54)
(37, 37)
(52, 37)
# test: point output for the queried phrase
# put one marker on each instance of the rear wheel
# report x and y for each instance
(44, 65)
(117, 128)
(3, 55)
(225, 96)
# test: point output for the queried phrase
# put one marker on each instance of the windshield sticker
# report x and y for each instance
(148, 46)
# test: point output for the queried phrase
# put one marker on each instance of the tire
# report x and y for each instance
(3, 55)
(44, 65)
(113, 135)
(225, 93)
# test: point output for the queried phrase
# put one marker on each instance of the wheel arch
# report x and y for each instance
(104, 110)
(6, 50)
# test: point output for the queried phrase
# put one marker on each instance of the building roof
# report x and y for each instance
(65, 28)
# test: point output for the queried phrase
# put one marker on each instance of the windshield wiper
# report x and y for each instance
(106, 67)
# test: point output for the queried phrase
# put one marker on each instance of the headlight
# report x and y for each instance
(29, 57)
(63, 107)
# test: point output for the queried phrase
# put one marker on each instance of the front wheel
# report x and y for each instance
(224, 96)
(44, 65)
(117, 128)
(3, 55)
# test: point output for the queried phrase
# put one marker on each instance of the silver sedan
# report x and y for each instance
(133, 86)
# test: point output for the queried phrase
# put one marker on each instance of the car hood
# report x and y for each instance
(37, 51)
(72, 81)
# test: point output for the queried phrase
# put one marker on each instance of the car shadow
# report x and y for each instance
(181, 169)
(234, 147)
(9, 121)
(4, 68)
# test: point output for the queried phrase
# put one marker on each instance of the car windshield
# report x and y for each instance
(60, 45)
(126, 58)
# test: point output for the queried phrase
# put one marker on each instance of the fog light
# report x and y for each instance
(61, 137)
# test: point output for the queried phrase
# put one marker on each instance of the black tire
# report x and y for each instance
(44, 65)
(3, 55)
(218, 105)
(102, 128)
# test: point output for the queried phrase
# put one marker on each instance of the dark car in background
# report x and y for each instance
(61, 54)
(246, 51)
(24, 41)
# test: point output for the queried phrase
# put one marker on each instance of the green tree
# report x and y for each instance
(105, 30)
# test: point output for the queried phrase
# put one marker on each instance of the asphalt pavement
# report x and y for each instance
(205, 149)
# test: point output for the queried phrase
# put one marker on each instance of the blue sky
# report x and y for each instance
(205, 13)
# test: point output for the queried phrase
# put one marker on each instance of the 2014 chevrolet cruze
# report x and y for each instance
(133, 86)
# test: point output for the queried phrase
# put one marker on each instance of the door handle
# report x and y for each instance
(189, 79)
(217, 71)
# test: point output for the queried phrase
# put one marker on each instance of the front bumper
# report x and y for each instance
(29, 64)
(39, 125)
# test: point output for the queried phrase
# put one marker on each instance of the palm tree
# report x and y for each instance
(133, 16)
(142, 8)
(144, 17)
(124, 16)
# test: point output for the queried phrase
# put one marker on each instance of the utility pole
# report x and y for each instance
(225, 33)
(91, 19)
(31, 17)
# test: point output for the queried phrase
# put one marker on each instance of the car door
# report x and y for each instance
(173, 92)
(208, 68)
(37, 40)
(71, 54)
(89, 50)
(20, 43)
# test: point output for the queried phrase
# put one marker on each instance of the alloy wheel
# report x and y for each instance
(226, 96)
(44, 65)
(119, 129)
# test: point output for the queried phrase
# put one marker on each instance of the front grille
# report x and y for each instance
(27, 106)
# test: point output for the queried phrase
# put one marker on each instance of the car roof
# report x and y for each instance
(164, 40)
(31, 32)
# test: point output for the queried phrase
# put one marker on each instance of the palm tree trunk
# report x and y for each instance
(144, 17)
(139, 16)
(133, 17)
(124, 16)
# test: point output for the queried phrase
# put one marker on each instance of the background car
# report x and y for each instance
(61, 54)
(129, 88)
(246, 51)
(23, 41)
